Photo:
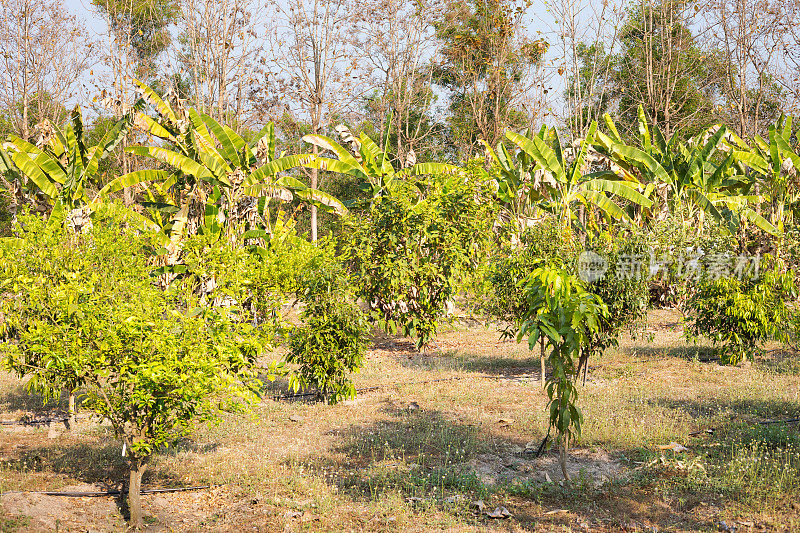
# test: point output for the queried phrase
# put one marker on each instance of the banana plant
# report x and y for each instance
(774, 163)
(371, 165)
(210, 160)
(570, 185)
(11, 180)
(517, 184)
(697, 176)
(60, 164)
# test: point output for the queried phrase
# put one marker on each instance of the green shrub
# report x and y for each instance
(741, 314)
(254, 281)
(332, 341)
(409, 253)
(624, 287)
(561, 311)
(514, 263)
(673, 245)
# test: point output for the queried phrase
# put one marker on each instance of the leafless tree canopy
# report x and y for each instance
(220, 54)
(317, 63)
(44, 53)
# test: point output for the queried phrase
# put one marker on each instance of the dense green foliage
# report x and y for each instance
(333, 338)
(81, 311)
(543, 243)
(740, 313)
(561, 311)
(408, 252)
(157, 313)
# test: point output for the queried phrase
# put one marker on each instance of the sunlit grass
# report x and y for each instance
(403, 454)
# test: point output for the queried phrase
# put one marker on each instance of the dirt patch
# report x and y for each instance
(213, 508)
(51, 513)
(518, 465)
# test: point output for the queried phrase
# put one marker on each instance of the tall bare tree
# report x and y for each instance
(788, 59)
(316, 63)
(137, 35)
(750, 35)
(44, 51)
(220, 54)
(398, 45)
(586, 33)
(666, 65)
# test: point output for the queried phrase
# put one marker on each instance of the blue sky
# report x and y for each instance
(82, 9)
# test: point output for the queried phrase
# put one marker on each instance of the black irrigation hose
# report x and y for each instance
(32, 422)
(98, 494)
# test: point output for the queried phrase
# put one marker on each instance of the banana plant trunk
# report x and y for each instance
(778, 222)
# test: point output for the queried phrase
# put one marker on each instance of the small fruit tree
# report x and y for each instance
(507, 300)
(333, 338)
(408, 252)
(740, 313)
(150, 362)
(561, 311)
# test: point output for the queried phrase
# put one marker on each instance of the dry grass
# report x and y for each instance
(443, 430)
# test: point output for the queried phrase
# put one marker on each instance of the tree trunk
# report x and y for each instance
(314, 180)
(71, 409)
(127, 192)
(134, 493)
(562, 457)
(25, 132)
(541, 346)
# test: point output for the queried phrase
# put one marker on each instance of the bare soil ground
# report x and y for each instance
(443, 441)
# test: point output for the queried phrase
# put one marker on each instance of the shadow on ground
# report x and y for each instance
(739, 410)
(433, 461)
(100, 464)
(703, 354)
(20, 399)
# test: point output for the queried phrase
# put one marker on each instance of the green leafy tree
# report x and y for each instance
(774, 162)
(511, 267)
(84, 312)
(693, 179)
(623, 287)
(61, 165)
(333, 339)
(407, 253)
(485, 67)
(741, 313)
(144, 26)
(371, 165)
(216, 175)
(513, 180)
(560, 310)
